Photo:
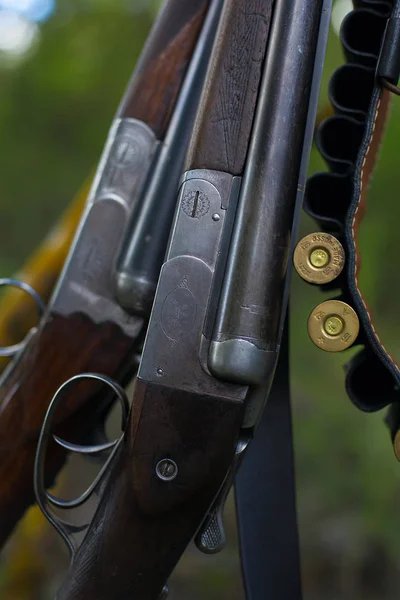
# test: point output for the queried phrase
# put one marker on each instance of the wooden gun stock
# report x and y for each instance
(61, 349)
(143, 523)
(72, 341)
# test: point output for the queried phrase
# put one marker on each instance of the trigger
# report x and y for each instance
(212, 537)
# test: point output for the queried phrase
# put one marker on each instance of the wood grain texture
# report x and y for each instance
(143, 524)
(155, 85)
(66, 346)
(224, 121)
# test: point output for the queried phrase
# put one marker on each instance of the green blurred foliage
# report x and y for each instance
(55, 109)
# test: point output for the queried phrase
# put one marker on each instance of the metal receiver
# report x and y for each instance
(86, 283)
(188, 287)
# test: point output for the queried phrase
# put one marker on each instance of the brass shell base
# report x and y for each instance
(319, 258)
(333, 326)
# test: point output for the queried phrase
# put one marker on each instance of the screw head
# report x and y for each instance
(166, 469)
(216, 217)
(160, 372)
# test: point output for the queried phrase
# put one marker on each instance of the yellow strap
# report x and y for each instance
(17, 311)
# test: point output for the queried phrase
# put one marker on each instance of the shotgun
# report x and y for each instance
(216, 324)
(95, 320)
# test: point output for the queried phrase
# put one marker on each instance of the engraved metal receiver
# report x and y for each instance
(86, 282)
(189, 285)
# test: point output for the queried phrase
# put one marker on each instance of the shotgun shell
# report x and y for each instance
(333, 326)
(319, 258)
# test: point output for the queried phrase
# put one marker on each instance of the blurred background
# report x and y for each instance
(63, 68)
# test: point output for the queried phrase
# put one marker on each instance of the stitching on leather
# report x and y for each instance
(354, 240)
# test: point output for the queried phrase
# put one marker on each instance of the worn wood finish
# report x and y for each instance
(225, 118)
(66, 346)
(155, 85)
(143, 524)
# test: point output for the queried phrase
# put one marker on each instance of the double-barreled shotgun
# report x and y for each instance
(96, 318)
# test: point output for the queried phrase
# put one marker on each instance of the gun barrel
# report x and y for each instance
(246, 334)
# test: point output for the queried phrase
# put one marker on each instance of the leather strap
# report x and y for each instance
(265, 500)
